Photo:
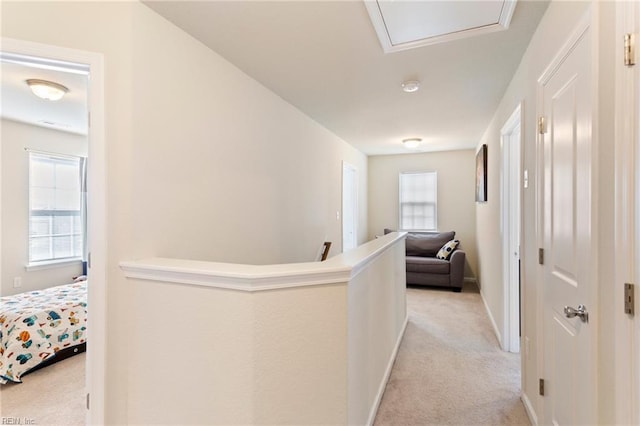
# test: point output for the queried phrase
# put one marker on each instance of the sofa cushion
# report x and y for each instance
(447, 249)
(429, 265)
(427, 244)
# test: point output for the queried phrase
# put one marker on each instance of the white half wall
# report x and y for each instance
(305, 343)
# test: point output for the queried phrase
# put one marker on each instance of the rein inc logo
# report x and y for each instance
(17, 421)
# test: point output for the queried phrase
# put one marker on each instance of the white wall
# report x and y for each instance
(555, 27)
(209, 166)
(456, 194)
(16, 137)
(296, 344)
(253, 180)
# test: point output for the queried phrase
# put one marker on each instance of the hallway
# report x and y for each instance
(450, 369)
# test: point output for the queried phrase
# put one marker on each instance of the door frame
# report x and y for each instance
(97, 211)
(348, 166)
(589, 21)
(511, 295)
(627, 218)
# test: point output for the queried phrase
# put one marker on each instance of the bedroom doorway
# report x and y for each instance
(57, 59)
(511, 136)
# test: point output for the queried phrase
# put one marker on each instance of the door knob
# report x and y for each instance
(581, 312)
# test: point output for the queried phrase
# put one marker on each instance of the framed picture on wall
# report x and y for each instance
(481, 174)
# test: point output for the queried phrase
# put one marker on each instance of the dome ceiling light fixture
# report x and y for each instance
(411, 143)
(47, 89)
(410, 86)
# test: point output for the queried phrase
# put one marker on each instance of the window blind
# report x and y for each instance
(56, 220)
(418, 201)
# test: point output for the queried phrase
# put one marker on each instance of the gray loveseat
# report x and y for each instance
(423, 268)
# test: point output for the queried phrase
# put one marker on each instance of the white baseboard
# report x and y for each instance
(493, 322)
(387, 374)
(470, 280)
(529, 409)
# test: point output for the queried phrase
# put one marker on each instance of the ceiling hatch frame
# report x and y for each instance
(382, 30)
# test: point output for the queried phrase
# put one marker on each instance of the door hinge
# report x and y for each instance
(629, 299)
(542, 125)
(541, 387)
(89, 260)
(541, 256)
(629, 47)
(88, 399)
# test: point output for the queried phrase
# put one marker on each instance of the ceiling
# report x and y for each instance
(402, 25)
(325, 58)
(19, 104)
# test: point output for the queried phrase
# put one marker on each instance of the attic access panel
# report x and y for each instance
(403, 25)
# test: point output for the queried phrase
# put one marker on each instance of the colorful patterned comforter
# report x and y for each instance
(35, 325)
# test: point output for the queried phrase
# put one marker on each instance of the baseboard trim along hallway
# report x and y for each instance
(450, 369)
(387, 374)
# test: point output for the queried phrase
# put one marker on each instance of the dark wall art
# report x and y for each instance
(481, 174)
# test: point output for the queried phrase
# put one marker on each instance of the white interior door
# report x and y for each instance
(349, 207)
(569, 266)
(511, 136)
(514, 239)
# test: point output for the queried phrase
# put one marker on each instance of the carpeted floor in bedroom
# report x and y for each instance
(54, 395)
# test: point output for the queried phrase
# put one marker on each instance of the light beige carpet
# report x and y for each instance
(450, 369)
(54, 395)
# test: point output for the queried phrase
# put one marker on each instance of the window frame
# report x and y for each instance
(53, 261)
(435, 203)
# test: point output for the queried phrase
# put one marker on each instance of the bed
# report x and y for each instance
(40, 327)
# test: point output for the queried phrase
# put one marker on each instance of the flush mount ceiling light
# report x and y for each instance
(410, 86)
(412, 143)
(47, 89)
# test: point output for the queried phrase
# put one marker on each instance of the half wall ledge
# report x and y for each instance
(210, 345)
(246, 277)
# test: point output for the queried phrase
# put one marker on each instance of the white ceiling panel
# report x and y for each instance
(403, 25)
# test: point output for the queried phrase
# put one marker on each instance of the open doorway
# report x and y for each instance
(44, 172)
(81, 76)
(511, 137)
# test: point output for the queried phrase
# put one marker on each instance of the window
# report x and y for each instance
(418, 201)
(56, 219)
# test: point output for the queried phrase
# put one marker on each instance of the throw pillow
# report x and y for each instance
(426, 244)
(447, 249)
